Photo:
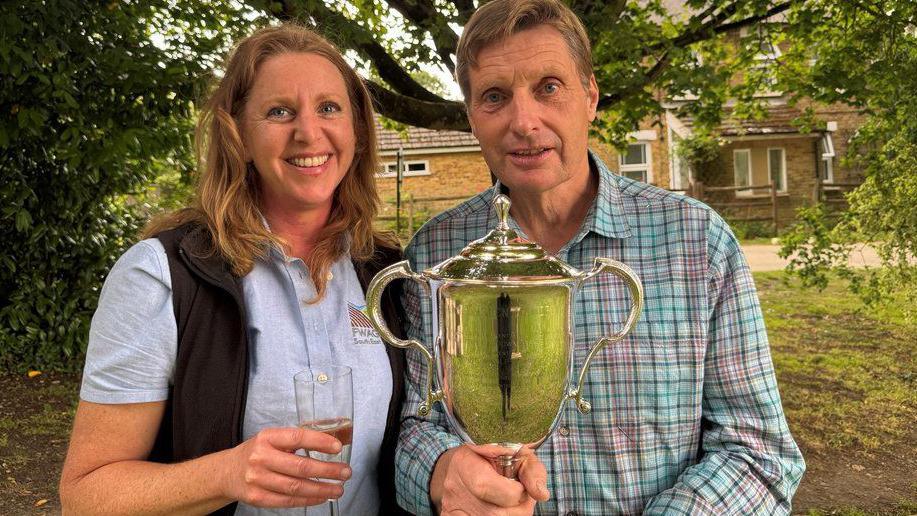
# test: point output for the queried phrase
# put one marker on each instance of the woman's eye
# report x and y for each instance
(278, 112)
(329, 107)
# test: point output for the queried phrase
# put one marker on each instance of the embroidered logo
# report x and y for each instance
(363, 332)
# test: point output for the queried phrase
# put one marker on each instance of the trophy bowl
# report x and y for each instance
(502, 362)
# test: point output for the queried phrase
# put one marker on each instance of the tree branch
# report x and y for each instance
(425, 15)
(445, 114)
(777, 9)
(716, 25)
(648, 78)
(334, 24)
(465, 10)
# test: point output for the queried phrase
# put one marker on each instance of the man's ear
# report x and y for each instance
(592, 98)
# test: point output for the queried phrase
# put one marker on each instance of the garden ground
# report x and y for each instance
(847, 377)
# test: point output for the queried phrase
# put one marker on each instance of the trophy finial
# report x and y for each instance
(501, 203)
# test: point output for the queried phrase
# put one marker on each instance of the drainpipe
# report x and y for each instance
(399, 176)
(817, 190)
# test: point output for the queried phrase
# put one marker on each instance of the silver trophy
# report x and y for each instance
(504, 339)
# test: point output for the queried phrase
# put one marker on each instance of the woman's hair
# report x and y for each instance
(226, 199)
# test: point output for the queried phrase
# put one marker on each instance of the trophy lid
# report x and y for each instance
(503, 256)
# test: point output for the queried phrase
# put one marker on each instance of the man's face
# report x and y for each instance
(529, 109)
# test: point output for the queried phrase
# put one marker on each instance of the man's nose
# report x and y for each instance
(306, 128)
(525, 118)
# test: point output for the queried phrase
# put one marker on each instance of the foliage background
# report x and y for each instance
(97, 114)
(93, 110)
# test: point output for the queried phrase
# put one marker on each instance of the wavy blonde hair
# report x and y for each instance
(226, 199)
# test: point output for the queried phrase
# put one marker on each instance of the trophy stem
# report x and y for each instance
(507, 465)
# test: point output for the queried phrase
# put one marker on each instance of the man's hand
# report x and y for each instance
(465, 483)
(264, 472)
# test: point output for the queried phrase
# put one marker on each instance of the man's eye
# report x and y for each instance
(278, 112)
(329, 107)
(551, 88)
(493, 97)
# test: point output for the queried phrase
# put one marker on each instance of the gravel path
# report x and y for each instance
(763, 257)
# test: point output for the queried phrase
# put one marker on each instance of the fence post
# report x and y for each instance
(774, 205)
(699, 191)
(411, 215)
(816, 195)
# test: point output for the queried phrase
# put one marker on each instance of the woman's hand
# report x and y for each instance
(264, 471)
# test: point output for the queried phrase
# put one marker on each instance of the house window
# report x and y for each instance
(826, 145)
(681, 171)
(741, 162)
(635, 163)
(411, 168)
(766, 55)
(776, 168)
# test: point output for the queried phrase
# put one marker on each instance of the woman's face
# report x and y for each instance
(298, 130)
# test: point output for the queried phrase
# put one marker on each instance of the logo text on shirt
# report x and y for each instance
(363, 332)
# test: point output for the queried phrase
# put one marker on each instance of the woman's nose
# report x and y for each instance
(306, 128)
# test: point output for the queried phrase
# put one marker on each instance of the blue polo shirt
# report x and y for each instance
(132, 350)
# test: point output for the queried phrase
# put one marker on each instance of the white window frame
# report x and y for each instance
(675, 162)
(648, 165)
(763, 60)
(386, 166)
(829, 171)
(783, 178)
(735, 172)
(827, 157)
(775, 53)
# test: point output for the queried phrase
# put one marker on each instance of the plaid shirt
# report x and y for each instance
(686, 417)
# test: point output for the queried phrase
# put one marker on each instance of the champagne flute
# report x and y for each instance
(324, 402)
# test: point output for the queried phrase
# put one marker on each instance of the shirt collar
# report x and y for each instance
(606, 217)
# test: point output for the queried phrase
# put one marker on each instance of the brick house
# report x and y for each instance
(803, 166)
(443, 165)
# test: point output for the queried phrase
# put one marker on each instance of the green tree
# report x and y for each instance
(97, 101)
(92, 110)
(639, 49)
(866, 57)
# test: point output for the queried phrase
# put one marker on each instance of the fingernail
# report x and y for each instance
(345, 474)
(337, 446)
(542, 487)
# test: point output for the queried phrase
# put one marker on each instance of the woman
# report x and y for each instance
(187, 400)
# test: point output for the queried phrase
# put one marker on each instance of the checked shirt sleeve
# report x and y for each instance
(750, 463)
(422, 440)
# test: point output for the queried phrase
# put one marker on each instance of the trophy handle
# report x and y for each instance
(374, 306)
(636, 294)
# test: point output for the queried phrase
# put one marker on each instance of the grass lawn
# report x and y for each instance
(847, 378)
(849, 386)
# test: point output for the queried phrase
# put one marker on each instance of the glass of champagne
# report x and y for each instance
(324, 402)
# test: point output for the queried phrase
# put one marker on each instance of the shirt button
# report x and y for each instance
(330, 275)
(565, 431)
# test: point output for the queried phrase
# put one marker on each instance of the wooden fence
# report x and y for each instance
(823, 192)
(412, 205)
(702, 193)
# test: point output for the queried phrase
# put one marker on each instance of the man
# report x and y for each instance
(686, 415)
